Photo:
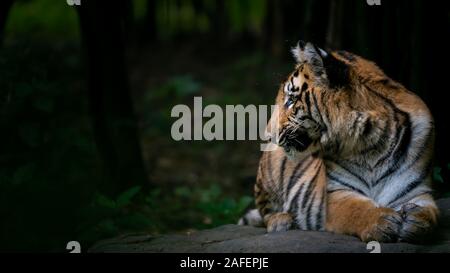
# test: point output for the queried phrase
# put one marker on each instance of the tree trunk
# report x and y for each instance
(150, 21)
(336, 26)
(110, 102)
(5, 7)
(218, 21)
(317, 24)
(274, 28)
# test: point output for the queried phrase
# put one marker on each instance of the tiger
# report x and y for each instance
(353, 153)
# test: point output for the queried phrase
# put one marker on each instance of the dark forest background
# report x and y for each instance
(86, 93)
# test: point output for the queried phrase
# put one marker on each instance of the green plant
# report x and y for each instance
(160, 211)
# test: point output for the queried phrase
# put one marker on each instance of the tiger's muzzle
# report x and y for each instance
(298, 140)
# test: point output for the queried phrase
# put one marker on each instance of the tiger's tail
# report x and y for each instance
(251, 218)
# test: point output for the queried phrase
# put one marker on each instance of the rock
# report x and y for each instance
(234, 238)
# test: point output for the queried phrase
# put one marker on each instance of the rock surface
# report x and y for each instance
(233, 238)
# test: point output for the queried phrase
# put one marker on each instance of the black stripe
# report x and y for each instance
(325, 110)
(266, 208)
(355, 123)
(304, 87)
(294, 203)
(318, 111)
(310, 186)
(393, 116)
(422, 148)
(388, 101)
(401, 150)
(244, 219)
(346, 55)
(412, 185)
(332, 177)
(418, 156)
(383, 141)
(261, 203)
(319, 213)
(308, 212)
(269, 168)
(395, 154)
(293, 88)
(368, 126)
(354, 174)
(336, 190)
(308, 103)
(282, 169)
(406, 190)
(297, 172)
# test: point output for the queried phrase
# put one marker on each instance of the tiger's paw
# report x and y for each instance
(384, 226)
(417, 223)
(280, 221)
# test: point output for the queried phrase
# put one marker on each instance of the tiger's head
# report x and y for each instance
(325, 105)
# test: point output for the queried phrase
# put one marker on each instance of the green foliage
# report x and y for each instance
(26, 20)
(158, 102)
(246, 15)
(179, 86)
(124, 198)
(139, 8)
(159, 211)
(437, 175)
(48, 158)
(440, 175)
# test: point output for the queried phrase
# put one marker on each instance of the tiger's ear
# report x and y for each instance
(307, 52)
(326, 68)
(312, 55)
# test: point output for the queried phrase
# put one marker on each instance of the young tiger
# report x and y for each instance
(354, 153)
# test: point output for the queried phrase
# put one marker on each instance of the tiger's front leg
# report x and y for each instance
(279, 221)
(354, 214)
(419, 218)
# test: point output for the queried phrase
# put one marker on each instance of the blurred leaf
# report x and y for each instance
(133, 221)
(23, 174)
(155, 193)
(210, 194)
(228, 205)
(23, 90)
(175, 88)
(125, 197)
(107, 226)
(29, 133)
(27, 16)
(183, 192)
(244, 202)
(437, 174)
(105, 202)
(44, 105)
(184, 86)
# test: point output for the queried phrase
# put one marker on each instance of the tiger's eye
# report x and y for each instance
(288, 102)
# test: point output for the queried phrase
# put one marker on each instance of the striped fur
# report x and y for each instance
(354, 155)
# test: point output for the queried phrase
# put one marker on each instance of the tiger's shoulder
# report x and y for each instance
(367, 74)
